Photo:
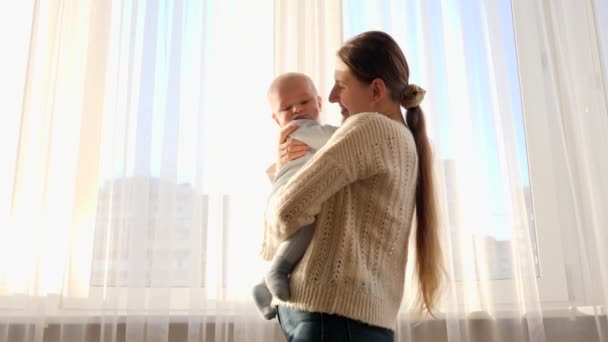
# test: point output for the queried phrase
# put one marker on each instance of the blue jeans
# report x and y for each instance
(302, 326)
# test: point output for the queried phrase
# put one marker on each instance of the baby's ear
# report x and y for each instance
(274, 117)
(320, 102)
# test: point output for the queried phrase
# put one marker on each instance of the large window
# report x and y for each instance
(185, 136)
(465, 56)
(176, 196)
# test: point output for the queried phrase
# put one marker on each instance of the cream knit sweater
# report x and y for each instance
(360, 187)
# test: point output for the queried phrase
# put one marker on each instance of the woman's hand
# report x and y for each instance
(289, 149)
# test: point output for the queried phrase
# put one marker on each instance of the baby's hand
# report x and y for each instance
(289, 149)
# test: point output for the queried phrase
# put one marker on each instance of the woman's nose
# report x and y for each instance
(333, 96)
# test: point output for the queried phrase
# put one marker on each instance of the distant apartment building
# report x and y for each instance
(171, 218)
(497, 253)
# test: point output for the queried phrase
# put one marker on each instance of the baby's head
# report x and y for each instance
(293, 96)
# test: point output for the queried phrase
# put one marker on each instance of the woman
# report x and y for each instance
(361, 190)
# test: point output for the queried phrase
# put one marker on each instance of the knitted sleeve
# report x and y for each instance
(345, 159)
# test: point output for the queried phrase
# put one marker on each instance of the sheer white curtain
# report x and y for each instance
(564, 90)
(136, 135)
(135, 182)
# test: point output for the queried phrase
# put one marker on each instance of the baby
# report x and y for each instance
(293, 99)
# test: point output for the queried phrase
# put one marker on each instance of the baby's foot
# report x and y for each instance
(269, 312)
(262, 298)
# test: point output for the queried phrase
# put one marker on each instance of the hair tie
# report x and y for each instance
(411, 96)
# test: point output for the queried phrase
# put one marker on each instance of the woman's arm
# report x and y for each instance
(346, 158)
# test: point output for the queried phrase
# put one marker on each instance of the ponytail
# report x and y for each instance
(428, 251)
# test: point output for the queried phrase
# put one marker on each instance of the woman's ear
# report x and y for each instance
(378, 89)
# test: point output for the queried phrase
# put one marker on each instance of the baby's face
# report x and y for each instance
(295, 99)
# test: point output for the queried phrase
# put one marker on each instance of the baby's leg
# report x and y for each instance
(289, 253)
(262, 298)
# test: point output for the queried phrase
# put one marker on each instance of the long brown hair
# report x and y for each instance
(375, 54)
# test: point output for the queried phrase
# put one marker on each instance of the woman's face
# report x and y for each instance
(352, 95)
